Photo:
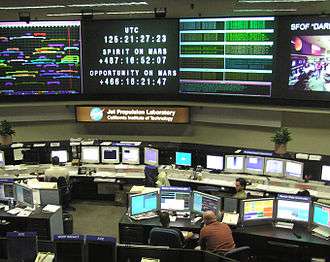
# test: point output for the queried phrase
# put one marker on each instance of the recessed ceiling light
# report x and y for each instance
(75, 14)
(266, 10)
(31, 7)
(109, 4)
(278, 1)
(131, 12)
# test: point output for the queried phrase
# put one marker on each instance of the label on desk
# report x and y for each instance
(6, 180)
(69, 237)
(21, 234)
(101, 239)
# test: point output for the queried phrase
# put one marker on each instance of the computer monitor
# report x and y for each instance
(90, 154)
(61, 154)
(254, 165)
(293, 208)
(110, 154)
(214, 162)
(274, 167)
(6, 189)
(294, 170)
(130, 155)
(143, 203)
(230, 205)
(325, 175)
(202, 202)
(69, 248)
(2, 158)
(175, 198)
(257, 211)
(321, 215)
(100, 248)
(234, 163)
(24, 195)
(151, 156)
(22, 246)
(183, 159)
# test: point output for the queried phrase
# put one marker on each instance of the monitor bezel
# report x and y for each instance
(57, 150)
(110, 161)
(146, 162)
(301, 178)
(234, 171)
(254, 172)
(90, 161)
(23, 202)
(143, 194)
(325, 180)
(312, 219)
(183, 152)
(222, 161)
(136, 162)
(218, 199)
(274, 174)
(261, 221)
(2, 163)
(175, 189)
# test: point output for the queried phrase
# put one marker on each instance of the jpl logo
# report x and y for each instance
(96, 113)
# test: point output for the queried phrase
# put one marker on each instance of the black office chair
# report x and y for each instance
(160, 236)
(64, 193)
(243, 254)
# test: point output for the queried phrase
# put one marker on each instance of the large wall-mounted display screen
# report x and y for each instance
(306, 52)
(131, 57)
(227, 56)
(40, 58)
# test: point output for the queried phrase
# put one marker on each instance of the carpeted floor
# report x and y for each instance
(96, 217)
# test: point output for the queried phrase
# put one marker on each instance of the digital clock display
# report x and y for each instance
(131, 57)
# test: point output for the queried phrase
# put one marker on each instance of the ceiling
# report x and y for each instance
(174, 8)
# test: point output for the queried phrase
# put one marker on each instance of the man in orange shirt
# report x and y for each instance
(215, 236)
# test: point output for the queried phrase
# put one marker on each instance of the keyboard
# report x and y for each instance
(144, 216)
(284, 225)
(320, 232)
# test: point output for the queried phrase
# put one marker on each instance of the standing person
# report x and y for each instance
(56, 170)
(215, 236)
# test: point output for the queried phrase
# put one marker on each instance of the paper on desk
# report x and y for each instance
(51, 208)
(18, 154)
(24, 213)
(145, 259)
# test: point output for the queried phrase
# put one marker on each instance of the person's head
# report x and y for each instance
(164, 218)
(304, 193)
(240, 184)
(209, 217)
(55, 160)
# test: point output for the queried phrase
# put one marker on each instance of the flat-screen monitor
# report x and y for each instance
(293, 208)
(135, 56)
(254, 165)
(110, 154)
(257, 210)
(90, 154)
(214, 162)
(151, 156)
(234, 163)
(2, 158)
(294, 170)
(40, 58)
(230, 204)
(321, 215)
(325, 175)
(24, 195)
(274, 167)
(202, 202)
(143, 203)
(61, 154)
(130, 155)
(100, 248)
(227, 56)
(175, 198)
(6, 190)
(69, 248)
(183, 159)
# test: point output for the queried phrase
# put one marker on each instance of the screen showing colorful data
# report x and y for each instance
(321, 215)
(40, 58)
(131, 57)
(144, 203)
(227, 56)
(293, 208)
(258, 209)
(204, 202)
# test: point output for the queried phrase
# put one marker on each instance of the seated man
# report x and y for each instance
(215, 236)
(56, 171)
(240, 186)
(164, 218)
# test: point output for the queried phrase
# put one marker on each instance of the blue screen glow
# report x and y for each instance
(183, 159)
(143, 203)
(322, 215)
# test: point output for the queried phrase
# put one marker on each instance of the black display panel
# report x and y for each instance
(305, 46)
(40, 58)
(227, 56)
(131, 57)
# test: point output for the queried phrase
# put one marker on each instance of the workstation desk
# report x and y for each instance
(263, 239)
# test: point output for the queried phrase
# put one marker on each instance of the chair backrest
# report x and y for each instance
(241, 253)
(151, 173)
(165, 237)
(61, 182)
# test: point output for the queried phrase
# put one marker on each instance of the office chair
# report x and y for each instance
(64, 193)
(160, 236)
(151, 173)
(243, 254)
